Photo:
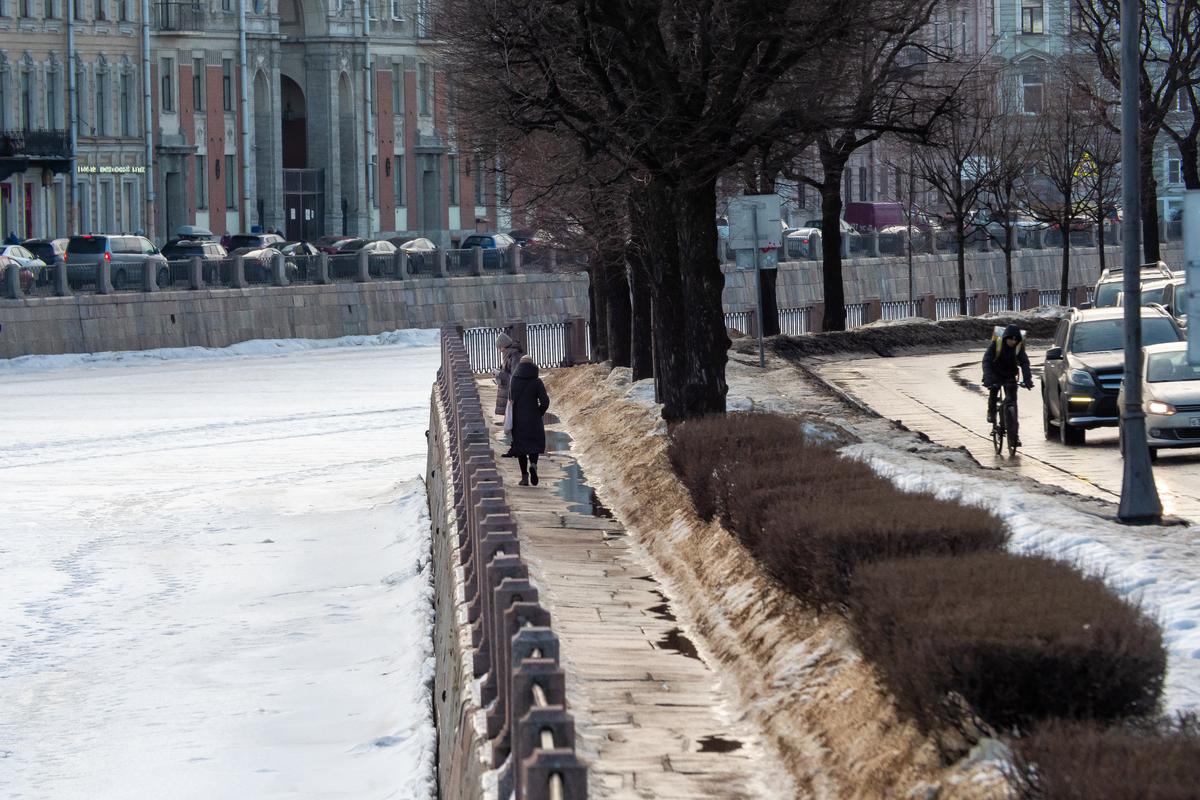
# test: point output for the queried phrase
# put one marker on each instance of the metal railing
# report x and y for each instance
(899, 309)
(482, 352)
(343, 267)
(549, 344)
(856, 315)
(35, 142)
(795, 321)
(945, 308)
(516, 652)
(1048, 297)
(738, 321)
(999, 302)
(169, 15)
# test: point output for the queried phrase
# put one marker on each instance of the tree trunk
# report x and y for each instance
(1189, 154)
(1008, 251)
(619, 313)
(1100, 239)
(960, 233)
(1064, 287)
(641, 336)
(598, 295)
(690, 343)
(831, 247)
(1149, 203)
(770, 303)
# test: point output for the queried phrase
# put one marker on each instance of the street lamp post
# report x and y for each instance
(1139, 496)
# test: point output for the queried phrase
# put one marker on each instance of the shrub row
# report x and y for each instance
(1082, 761)
(934, 601)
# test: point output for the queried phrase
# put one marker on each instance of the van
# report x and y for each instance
(129, 256)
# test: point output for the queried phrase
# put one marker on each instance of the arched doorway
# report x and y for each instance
(266, 167)
(295, 126)
(347, 155)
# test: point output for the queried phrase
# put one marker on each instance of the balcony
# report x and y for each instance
(171, 15)
(36, 144)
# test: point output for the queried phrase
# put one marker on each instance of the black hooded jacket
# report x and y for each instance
(1001, 363)
(530, 401)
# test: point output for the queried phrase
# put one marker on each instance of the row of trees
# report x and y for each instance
(619, 117)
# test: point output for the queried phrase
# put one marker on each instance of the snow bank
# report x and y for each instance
(254, 347)
(1143, 564)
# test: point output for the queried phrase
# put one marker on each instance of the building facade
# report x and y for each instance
(313, 117)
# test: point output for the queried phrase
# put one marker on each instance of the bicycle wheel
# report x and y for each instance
(998, 438)
(1010, 419)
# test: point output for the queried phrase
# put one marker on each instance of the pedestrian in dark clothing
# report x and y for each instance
(529, 402)
(12, 238)
(1003, 360)
(510, 356)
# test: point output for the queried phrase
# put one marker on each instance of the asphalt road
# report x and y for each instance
(940, 396)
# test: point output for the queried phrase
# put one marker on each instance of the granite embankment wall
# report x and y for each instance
(90, 323)
(799, 282)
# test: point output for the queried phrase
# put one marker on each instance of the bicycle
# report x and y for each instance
(1005, 426)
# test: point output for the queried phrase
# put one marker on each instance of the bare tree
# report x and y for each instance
(1169, 61)
(957, 168)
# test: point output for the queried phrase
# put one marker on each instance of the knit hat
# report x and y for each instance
(527, 359)
(503, 341)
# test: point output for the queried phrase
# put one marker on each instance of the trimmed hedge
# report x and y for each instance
(1020, 638)
(1078, 761)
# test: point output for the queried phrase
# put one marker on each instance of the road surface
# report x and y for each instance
(940, 396)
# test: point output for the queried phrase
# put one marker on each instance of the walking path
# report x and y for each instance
(650, 716)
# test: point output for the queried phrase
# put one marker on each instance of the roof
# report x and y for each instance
(1114, 312)
(1166, 347)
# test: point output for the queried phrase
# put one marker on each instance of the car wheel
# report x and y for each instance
(118, 280)
(1049, 429)
(1067, 434)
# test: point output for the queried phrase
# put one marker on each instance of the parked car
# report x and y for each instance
(1112, 282)
(874, 216)
(799, 243)
(26, 274)
(329, 244)
(253, 241)
(194, 233)
(1168, 294)
(257, 264)
(494, 245)
(180, 249)
(421, 252)
(379, 247)
(848, 231)
(51, 251)
(1083, 370)
(1170, 398)
(129, 256)
(300, 249)
(27, 260)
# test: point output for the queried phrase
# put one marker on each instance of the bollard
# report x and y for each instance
(977, 303)
(238, 279)
(440, 264)
(103, 275)
(516, 257)
(1039, 238)
(322, 276)
(933, 242)
(400, 265)
(195, 273)
(874, 309)
(62, 286)
(553, 259)
(279, 270)
(477, 261)
(928, 306)
(12, 281)
(873, 244)
(815, 247)
(149, 277)
(364, 267)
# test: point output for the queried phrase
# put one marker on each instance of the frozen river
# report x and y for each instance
(214, 577)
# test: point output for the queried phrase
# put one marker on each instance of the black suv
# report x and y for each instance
(1084, 368)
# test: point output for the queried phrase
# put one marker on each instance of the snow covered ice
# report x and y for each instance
(214, 572)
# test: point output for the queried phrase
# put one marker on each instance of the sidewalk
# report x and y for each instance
(651, 718)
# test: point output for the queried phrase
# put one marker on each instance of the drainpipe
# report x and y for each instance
(369, 97)
(148, 181)
(245, 94)
(72, 121)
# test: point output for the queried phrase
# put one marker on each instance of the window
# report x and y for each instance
(396, 10)
(126, 105)
(131, 215)
(1031, 93)
(102, 14)
(801, 194)
(398, 173)
(227, 5)
(126, 11)
(79, 10)
(231, 193)
(1032, 17)
(962, 26)
(862, 183)
(848, 184)
(424, 89)
(166, 71)
(372, 172)
(198, 84)
(452, 171)
(101, 126)
(1182, 100)
(227, 83)
(48, 10)
(201, 183)
(397, 90)
(26, 8)
(52, 116)
(422, 26)
(480, 196)
(27, 120)
(1174, 167)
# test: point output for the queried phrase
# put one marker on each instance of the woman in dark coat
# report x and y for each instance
(530, 401)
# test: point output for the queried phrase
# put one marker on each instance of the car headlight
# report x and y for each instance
(1080, 377)
(1159, 407)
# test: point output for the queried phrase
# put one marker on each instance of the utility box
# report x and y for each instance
(1191, 266)
(754, 224)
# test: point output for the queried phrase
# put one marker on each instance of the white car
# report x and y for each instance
(1170, 397)
(23, 257)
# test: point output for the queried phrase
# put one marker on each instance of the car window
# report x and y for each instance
(1060, 335)
(148, 247)
(1106, 295)
(86, 245)
(1174, 366)
(1109, 334)
(242, 240)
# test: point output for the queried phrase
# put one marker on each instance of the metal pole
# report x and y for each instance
(372, 175)
(762, 357)
(73, 122)
(1139, 496)
(243, 109)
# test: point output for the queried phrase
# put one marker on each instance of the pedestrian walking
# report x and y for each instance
(12, 238)
(510, 356)
(529, 404)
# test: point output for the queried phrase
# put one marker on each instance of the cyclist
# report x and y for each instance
(1004, 359)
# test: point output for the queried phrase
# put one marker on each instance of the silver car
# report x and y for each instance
(1171, 397)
